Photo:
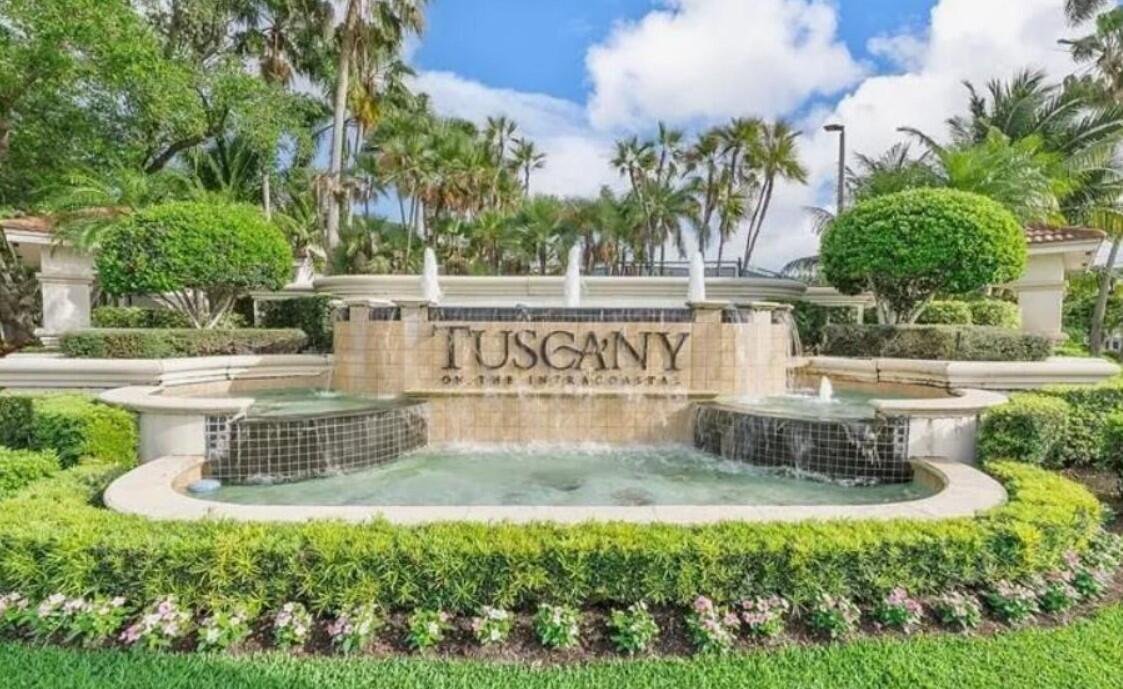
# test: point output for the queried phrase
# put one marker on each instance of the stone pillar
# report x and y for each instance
(1041, 293)
(65, 279)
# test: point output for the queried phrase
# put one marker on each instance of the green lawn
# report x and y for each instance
(1087, 654)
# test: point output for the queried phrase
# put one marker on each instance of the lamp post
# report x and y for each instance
(841, 130)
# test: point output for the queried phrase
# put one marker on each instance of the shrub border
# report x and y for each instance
(53, 537)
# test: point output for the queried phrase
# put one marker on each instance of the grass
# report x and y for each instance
(1087, 654)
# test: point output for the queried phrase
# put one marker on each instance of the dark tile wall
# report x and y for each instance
(560, 315)
(863, 450)
(294, 448)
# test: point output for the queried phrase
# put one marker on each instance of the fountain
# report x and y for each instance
(697, 289)
(573, 278)
(430, 282)
(826, 390)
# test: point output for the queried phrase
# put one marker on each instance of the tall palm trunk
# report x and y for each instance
(335, 168)
(1106, 280)
(758, 220)
(266, 195)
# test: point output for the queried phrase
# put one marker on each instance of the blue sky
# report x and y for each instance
(579, 74)
(539, 45)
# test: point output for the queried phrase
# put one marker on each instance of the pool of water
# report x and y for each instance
(565, 476)
(313, 402)
(849, 400)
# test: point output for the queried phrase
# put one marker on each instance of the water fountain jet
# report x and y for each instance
(826, 390)
(430, 282)
(697, 290)
(573, 278)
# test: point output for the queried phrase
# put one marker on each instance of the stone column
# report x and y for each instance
(65, 279)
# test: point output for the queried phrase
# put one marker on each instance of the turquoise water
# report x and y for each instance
(313, 402)
(565, 475)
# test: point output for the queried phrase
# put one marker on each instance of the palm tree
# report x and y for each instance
(369, 27)
(288, 37)
(1083, 10)
(540, 224)
(704, 160)
(526, 157)
(490, 232)
(777, 158)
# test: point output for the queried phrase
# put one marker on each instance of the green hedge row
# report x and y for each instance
(75, 427)
(935, 342)
(158, 344)
(1080, 441)
(53, 539)
(20, 468)
(313, 315)
(1029, 427)
(138, 317)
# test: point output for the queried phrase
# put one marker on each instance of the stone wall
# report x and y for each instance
(554, 375)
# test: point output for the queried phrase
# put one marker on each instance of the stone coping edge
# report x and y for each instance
(59, 373)
(147, 399)
(987, 375)
(150, 490)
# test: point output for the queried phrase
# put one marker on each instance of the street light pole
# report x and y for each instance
(841, 131)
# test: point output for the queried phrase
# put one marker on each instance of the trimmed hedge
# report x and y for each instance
(21, 468)
(1028, 426)
(313, 315)
(159, 344)
(1090, 407)
(138, 317)
(76, 427)
(53, 539)
(995, 313)
(1113, 445)
(935, 342)
(946, 313)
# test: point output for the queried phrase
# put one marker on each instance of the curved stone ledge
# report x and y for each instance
(596, 291)
(965, 402)
(148, 399)
(53, 372)
(988, 375)
(151, 491)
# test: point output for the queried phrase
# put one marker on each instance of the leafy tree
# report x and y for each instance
(776, 158)
(907, 247)
(196, 258)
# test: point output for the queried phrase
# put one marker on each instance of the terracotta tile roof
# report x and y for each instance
(31, 223)
(1049, 234)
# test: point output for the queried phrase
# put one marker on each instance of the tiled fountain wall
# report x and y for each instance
(872, 450)
(554, 375)
(295, 447)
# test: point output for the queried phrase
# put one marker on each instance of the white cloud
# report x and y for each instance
(706, 60)
(703, 60)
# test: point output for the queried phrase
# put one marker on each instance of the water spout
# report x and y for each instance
(573, 278)
(826, 390)
(430, 282)
(697, 290)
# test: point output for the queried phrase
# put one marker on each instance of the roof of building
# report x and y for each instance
(1050, 234)
(31, 223)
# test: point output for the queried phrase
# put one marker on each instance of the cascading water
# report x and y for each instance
(697, 290)
(573, 278)
(430, 282)
(826, 390)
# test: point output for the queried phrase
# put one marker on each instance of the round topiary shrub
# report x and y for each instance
(197, 258)
(946, 313)
(995, 313)
(908, 246)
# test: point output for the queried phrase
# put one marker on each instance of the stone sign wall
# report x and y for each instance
(524, 375)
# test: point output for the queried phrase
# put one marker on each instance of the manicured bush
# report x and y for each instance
(16, 425)
(20, 468)
(995, 313)
(1029, 427)
(946, 313)
(53, 539)
(75, 427)
(313, 315)
(811, 319)
(908, 246)
(138, 317)
(159, 344)
(1113, 445)
(1090, 406)
(935, 342)
(187, 250)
